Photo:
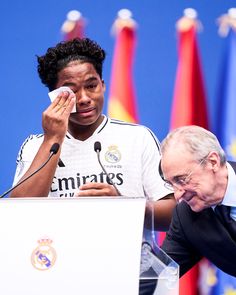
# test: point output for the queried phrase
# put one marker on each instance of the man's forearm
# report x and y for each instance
(39, 184)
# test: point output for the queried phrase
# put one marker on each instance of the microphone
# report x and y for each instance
(97, 149)
(53, 150)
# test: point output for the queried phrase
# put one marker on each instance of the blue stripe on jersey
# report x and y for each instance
(103, 125)
(118, 122)
(38, 135)
(30, 137)
(155, 139)
(19, 158)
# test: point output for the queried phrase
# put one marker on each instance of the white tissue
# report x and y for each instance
(53, 94)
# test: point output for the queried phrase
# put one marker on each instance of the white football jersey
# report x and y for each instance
(130, 154)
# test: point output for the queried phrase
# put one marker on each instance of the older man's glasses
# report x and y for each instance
(182, 181)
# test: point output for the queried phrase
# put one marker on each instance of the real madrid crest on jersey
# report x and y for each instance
(113, 155)
(44, 256)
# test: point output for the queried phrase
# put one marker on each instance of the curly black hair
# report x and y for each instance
(57, 58)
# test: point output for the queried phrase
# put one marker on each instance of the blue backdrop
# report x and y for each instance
(30, 27)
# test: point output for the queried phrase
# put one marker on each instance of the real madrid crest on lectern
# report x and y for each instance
(44, 256)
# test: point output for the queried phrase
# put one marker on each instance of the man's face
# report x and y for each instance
(89, 89)
(194, 182)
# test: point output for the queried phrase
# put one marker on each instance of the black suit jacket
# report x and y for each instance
(195, 235)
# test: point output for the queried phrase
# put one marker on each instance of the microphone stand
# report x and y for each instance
(97, 149)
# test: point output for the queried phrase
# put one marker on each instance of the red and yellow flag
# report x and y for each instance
(122, 99)
(189, 103)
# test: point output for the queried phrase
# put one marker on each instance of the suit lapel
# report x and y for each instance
(223, 212)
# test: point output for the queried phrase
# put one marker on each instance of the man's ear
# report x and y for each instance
(214, 160)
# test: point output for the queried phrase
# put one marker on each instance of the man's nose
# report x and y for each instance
(82, 97)
(178, 193)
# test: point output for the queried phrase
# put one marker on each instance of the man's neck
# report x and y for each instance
(83, 132)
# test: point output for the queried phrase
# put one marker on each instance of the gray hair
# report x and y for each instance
(197, 141)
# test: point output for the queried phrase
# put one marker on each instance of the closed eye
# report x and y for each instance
(180, 180)
(91, 86)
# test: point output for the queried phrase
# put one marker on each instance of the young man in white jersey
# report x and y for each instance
(130, 153)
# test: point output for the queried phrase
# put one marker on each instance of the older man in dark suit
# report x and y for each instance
(204, 221)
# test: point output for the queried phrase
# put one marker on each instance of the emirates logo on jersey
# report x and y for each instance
(113, 155)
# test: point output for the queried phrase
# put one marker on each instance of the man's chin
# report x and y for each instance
(195, 206)
(81, 122)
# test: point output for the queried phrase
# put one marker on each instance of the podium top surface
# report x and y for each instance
(73, 199)
(85, 240)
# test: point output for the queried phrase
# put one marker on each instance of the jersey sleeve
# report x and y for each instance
(26, 155)
(153, 183)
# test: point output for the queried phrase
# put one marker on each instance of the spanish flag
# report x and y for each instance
(122, 99)
(189, 102)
